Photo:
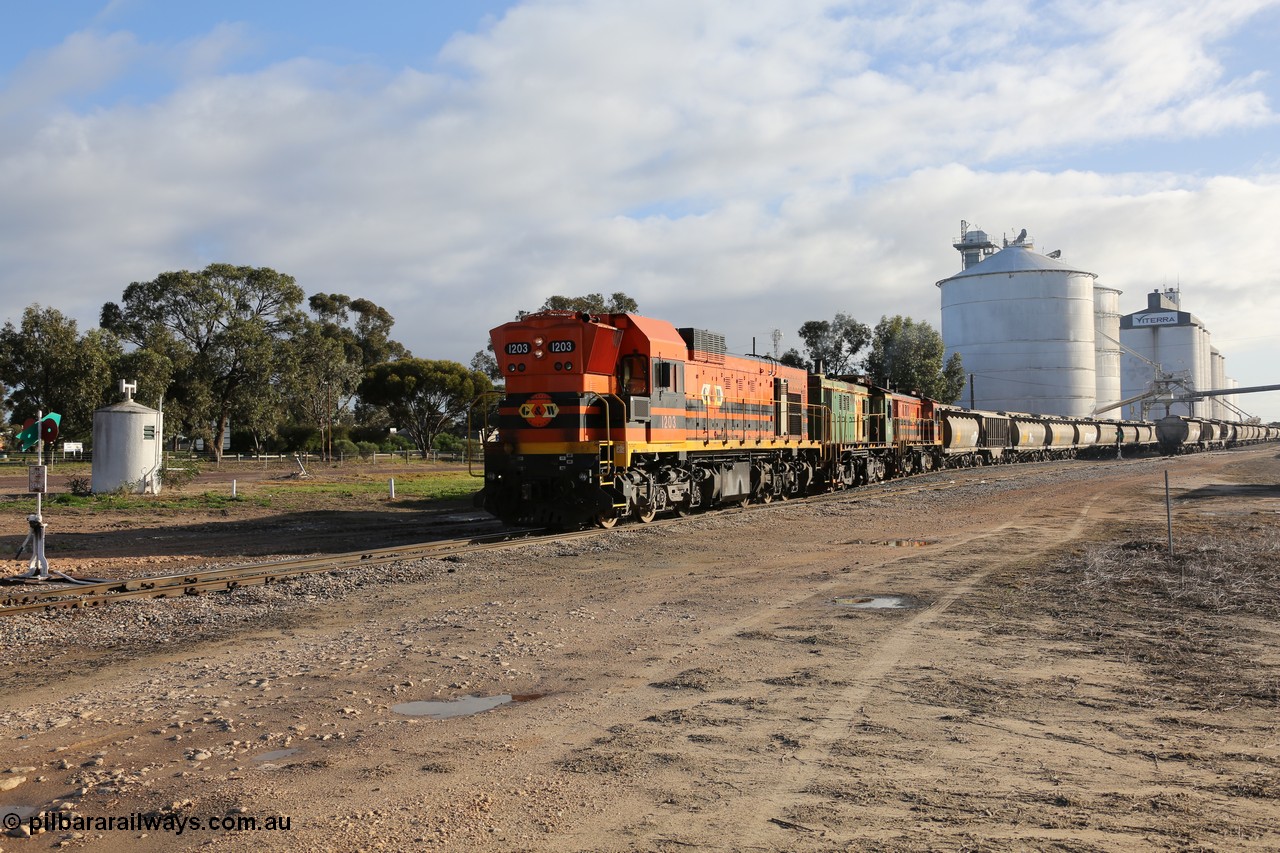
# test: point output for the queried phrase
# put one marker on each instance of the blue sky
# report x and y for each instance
(731, 164)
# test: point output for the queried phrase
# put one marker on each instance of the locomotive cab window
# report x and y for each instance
(665, 375)
(634, 375)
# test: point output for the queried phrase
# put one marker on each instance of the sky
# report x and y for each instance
(735, 165)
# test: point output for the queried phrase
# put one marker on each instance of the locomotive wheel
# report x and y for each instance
(606, 521)
(645, 514)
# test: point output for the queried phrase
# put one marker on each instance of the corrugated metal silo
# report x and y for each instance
(1023, 324)
(1106, 326)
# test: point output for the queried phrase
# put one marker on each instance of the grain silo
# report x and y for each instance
(1165, 339)
(1023, 323)
(127, 442)
(1219, 373)
(1106, 347)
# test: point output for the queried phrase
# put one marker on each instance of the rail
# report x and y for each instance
(94, 594)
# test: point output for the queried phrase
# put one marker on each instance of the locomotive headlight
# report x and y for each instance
(537, 342)
(538, 353)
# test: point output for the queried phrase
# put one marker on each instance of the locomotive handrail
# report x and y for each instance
(826, 422)
(608, 421)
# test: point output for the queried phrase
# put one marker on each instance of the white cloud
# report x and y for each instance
(732, 165)
(84, 62)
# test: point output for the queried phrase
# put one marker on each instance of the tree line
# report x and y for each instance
(899, 353)
(238, 348)
(233, 348)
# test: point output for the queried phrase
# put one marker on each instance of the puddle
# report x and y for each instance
(876, 602)
(276, 754)
(463, 707)
(890, 543)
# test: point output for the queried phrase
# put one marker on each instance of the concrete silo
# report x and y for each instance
(1023, 323)
(127, 446)
(1204, 373)
(1165, 335)
(1219, 404)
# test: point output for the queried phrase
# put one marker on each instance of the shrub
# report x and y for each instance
(80, 486)
(395, 443)
(345, 447)
(448, 443)
(295, 438)
(366, 448)
(178, 477)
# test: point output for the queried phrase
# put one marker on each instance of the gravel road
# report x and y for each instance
(714, 684)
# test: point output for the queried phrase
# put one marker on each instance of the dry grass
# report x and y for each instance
(1190, 621)
(1239, 573)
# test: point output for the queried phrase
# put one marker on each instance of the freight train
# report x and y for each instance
(615, 416)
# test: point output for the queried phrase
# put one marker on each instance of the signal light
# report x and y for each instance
(46, 430)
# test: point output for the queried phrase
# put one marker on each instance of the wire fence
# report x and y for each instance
(58, 457)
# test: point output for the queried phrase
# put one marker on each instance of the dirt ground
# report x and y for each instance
(91, 542)
(711, 684)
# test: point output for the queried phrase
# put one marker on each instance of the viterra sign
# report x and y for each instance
(1167, 318)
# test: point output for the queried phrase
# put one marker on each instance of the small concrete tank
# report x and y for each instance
(127, 445)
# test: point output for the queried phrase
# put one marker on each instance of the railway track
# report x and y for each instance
(97, 594)
(85, 595)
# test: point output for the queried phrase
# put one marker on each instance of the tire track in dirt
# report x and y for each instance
(749, 795)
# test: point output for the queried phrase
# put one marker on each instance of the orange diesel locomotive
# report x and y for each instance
(615, 416)
(621, 415)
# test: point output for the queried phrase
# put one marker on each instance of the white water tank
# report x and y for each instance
(1024, 325)
(127, 445)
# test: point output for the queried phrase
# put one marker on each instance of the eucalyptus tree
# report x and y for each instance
(423, 397)
(224, 331)
(833, 345)
(323, 376)
(345, 338)
(592, 303)
(47, 365)
(908, 354)
(366, 338)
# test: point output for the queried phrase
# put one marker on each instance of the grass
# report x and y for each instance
(1189, 622)
(338, 488)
